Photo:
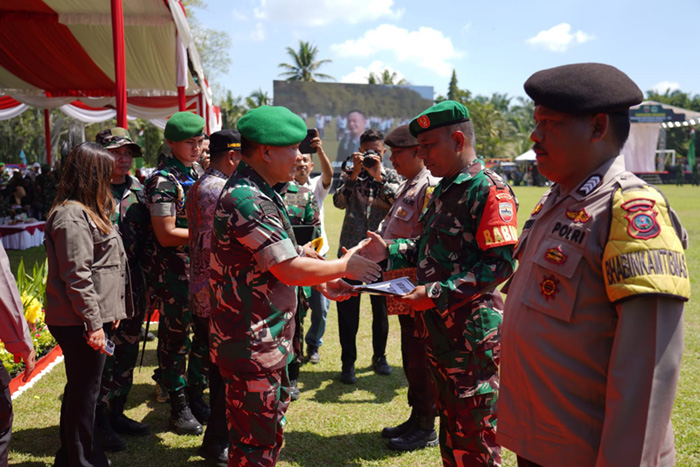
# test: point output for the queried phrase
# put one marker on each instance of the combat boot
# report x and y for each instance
(195, 398)
(123, 424)
(181, 418)
(396, 431)
(421, 435)
(111, 441)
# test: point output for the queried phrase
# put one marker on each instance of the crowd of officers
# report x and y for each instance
(591, 335)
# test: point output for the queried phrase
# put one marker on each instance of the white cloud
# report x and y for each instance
(426, 47)
(258, 34)
(323, 12)
(361, 74)
(238, 15)
(559, 38)
(663, 86)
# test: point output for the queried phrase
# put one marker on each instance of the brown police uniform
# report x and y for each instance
(586, 376)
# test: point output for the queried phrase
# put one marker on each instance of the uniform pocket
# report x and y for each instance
(557, 278)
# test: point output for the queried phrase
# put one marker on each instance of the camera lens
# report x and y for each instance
(367, 161)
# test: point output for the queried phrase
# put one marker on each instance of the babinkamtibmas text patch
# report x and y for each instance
(644, 254)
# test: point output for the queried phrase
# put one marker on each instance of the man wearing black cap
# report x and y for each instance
(402, 221)
(463, 253)
(225, 153)
(131, 219)
(592, 336)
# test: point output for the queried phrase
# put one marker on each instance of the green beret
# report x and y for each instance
(400, 137)
(584, 88)
(272, 126)
(183, 125)
(443, 114)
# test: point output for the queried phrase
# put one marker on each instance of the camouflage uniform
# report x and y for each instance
(302, 209)
(168, 269)
(252, 314)
(132, 221)
(366, 203)
(465, 251)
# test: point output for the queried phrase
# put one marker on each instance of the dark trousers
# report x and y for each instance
(417, 369)
(5, 415)
(349, 322)
(217, 431)
(84, 367)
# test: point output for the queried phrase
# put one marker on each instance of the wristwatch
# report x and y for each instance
(435, 291)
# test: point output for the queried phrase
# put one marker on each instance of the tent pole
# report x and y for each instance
(181, 100)
(47, 134)
(119, 61)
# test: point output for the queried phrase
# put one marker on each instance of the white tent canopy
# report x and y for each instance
(529, 155)
(647, 120)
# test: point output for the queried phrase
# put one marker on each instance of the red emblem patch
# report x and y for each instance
(579, 217)
(555, 256)
(537, 209)
(505, 210)
(424, 121)
(549, 287)
(641, 218)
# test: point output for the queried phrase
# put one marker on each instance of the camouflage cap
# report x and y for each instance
(272, 126)
(400, 137)
(443, 114)
(183, 125)
(582, 88)
(117, 137)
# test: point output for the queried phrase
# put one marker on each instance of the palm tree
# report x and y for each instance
(257, 98)
(387, 77)
(304, 64)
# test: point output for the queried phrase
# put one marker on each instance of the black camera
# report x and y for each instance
(367, 162)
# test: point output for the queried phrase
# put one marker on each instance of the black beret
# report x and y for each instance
(225, 140)
(400, 137)
(582, 88)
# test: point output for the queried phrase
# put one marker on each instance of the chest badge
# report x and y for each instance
(555, 256)
(549, 287)
(641, 218)
(579, 217)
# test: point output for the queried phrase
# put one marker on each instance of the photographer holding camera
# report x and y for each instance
(366, 194)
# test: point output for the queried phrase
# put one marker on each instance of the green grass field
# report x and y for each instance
(334, 424)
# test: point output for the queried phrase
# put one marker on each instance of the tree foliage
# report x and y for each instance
(304, 64)
(386, 77)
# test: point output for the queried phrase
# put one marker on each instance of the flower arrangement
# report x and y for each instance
(32, 289)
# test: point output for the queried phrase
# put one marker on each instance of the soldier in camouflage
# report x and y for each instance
(303, 210)
(132, 220)
(168, 268)
(255, 268)
(464, 252)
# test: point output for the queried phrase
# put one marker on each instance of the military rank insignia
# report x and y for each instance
(641, 218)
(593, 182)
(549, 287)
(537, 209)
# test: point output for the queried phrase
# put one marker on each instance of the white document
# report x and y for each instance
(399, 286)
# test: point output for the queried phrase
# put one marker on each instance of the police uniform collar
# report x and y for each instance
(598, 177)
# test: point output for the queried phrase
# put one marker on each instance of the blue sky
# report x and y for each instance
(493, 46)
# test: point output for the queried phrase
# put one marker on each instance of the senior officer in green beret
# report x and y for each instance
(255, 268)
(593, 330)
(463, 253)
(166, 191)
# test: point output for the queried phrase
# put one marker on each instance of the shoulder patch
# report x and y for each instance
(499, 222)
(644, 254)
